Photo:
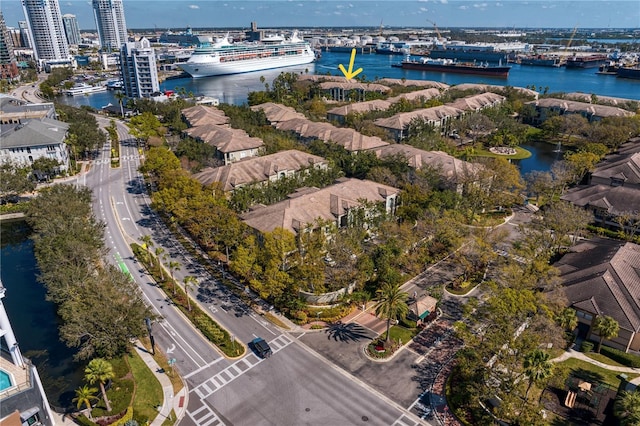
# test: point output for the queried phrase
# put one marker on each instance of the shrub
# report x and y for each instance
(630, 360)
(126, 418)
(84, 421)
(586, 346)
(301, 316)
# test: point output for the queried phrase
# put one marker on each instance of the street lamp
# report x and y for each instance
(318, 315)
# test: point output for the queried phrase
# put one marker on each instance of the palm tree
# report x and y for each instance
(159, 251)
(173, 267)
(120, 96)
(84, 396)
(627, 408)
(189, 280)
(100, 370)
(606, 327)
(567, 319)
(537, 368)
(392, 304)
(148, 243)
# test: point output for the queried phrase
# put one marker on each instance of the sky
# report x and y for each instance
(178, 14)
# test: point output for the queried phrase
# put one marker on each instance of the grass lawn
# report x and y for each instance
(520, 154)
(161, 359)
(603, 359)
(121, 390)
(404, 334)
(594, 373)
(171, 420)
(148, 391)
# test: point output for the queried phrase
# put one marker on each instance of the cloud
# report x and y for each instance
(480, 5)
(499, 4)
(444, 1)
(194, 6)
(463, 7)
(423, 9)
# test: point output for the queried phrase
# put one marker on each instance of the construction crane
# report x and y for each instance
(381, 27)
(573, 34)
(435, 27)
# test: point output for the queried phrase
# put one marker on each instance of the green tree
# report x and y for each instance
(606, 327)
(85, 396)
(391, 304)
(189, 282)
(567, 319)
(147, 243)
(48, 166)
(145, 125)
(173, 267)
(100, 371)
(627, 408)
(159, 253)
(537, 367)
(14, 180)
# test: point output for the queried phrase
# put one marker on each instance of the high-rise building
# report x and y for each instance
(24, 34)
(112, 28)
(46, 30)
(138, 68)
(8, 63)
(71, 28)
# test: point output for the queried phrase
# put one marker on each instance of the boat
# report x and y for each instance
(452, 66)
(84, 89)
(114, 84)
(469, 52)
(608, 68)
(541, 61)
(590, 61)
(223, 57)
(391, 48)
(629, 72)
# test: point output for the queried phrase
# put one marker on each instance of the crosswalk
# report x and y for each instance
(205, 416)
(215, 383)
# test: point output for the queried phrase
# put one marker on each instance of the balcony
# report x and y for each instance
(19, 378)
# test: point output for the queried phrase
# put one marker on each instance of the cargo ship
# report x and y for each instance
(469, 52)
(591, 61)
(541, 61)
(629, 72)
(451, 66)
(223, 57)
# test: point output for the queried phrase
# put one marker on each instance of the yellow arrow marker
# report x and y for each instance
(351, 73)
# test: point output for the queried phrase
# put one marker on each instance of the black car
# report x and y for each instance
(261, 347)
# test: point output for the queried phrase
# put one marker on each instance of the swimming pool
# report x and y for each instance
(5, 380)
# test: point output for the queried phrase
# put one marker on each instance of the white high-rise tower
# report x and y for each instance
(112, 28)
(46, 30)
(71, 28)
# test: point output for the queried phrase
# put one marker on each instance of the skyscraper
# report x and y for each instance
(45, 29)
(112, 28)
(71, 28)
(8, 64)
(24, 34)
(138, 68)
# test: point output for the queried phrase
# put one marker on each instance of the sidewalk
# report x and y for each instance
(572, 353)
(177, 403)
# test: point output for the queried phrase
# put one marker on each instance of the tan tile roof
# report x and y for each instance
(477, 102)
(577, 107)
(487, 87)
(225, 139)
(417, 83)
(347, 138)
(276, 113)
(361, 107)
(310, 204)
(424, 93)
(201, 114)
(258, 169)
(615, 199)
(346, 85)
(451, 168)
(401, 121)
(585, 97)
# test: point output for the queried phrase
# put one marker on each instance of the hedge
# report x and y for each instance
(127, 416)
(586, 346)
(630, 360)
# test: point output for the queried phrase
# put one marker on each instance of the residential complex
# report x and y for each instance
(138, 68)
(46, 30)
(112, 28)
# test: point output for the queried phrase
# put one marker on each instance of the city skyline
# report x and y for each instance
(337, 13)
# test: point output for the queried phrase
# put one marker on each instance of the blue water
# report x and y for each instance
(5, 381)
(233, 89)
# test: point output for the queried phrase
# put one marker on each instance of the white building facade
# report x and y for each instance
(110, 22)
(46, 30)
(138, 69)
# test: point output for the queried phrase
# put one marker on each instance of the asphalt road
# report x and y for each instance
(295, 386)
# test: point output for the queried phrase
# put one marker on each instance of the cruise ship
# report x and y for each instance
(223, 57)
(85, 89)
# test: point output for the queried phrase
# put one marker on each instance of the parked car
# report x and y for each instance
(261, 347)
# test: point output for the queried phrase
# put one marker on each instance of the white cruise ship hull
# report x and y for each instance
(204, 66)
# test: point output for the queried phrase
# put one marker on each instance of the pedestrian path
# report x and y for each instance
(177, 403)
(572, 353)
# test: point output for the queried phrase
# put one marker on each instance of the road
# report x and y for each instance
(295, 386)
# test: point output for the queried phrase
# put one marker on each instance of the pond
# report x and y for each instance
(543, 155)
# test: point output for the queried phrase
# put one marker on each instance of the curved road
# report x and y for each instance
(295, 386)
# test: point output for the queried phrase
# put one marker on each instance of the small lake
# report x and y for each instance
(543, 155)
(34, 319)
